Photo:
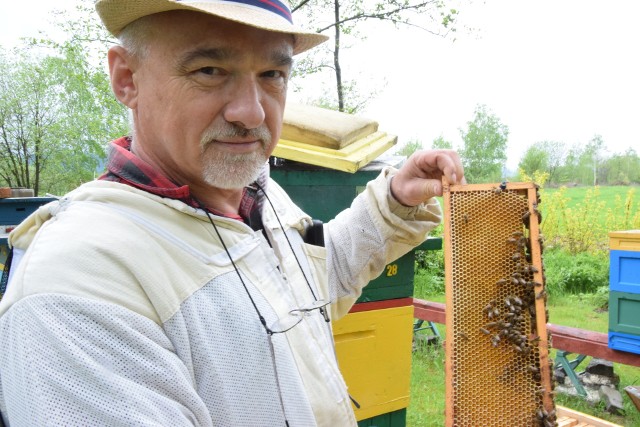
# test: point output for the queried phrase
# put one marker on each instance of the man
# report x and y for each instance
(177, 289)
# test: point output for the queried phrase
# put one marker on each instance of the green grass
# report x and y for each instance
(426, 408)
(607, 194)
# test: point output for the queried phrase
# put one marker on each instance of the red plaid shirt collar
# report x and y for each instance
(126, 168)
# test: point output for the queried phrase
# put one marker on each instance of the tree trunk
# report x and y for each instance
(336, 56)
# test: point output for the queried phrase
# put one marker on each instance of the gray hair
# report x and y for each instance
(135, 37)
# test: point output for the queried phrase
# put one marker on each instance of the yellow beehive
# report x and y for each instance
(374, 354)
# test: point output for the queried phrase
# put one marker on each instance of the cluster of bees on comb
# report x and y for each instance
(506, 322)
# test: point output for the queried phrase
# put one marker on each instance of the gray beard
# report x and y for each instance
(231, 171)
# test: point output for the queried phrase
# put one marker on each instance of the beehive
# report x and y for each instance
(497, 370)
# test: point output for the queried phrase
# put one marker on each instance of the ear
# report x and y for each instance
(121, 69)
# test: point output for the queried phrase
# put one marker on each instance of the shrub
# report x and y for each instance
(581, 273)
(429, 273)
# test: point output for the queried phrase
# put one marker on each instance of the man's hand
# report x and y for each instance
(420, 178)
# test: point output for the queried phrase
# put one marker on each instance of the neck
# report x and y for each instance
(217, 199)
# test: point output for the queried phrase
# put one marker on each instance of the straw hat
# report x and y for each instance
(271, 15)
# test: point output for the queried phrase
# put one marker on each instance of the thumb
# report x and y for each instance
(415, 191)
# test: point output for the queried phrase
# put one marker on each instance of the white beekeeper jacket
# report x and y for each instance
(125, 309)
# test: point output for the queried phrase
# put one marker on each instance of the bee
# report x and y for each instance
(517, 300)
(465, 217)
(525, 217)
(485, 331)
(497, 190)
(537, 284)
(541, 294)
(501, 282)
(538, 214)
(512, 241)
(517, 348)
(515, 256)
(533, 269)
(463, 335)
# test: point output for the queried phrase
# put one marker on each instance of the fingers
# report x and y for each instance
(435, 164)
(420, 178)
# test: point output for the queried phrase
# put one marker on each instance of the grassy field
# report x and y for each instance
(581, 311)
(607, 194)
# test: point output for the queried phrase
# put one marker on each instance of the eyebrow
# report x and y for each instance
(279, 57)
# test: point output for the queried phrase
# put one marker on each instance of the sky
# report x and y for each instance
(558, 70)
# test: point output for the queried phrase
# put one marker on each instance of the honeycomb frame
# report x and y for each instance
(498, 371)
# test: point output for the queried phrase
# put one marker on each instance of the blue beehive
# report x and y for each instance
(624, 294)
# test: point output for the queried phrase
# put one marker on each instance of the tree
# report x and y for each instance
(543, 156)
(485, 143)
(57, 111)
(344, 17)
(534, 159)
(440, 142)
(593, 155)
(409, 148)
(623, 169)
(28, 125)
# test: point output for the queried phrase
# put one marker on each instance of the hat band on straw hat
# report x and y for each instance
(274, 6)
(269, 15)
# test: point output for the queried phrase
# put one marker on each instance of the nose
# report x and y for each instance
(245, 104)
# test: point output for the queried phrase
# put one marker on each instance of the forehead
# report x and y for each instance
(178, 32)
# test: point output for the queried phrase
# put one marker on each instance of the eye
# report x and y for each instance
(274, 74)
(210, 71)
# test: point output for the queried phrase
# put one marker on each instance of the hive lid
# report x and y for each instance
(324, 128)
(330, 139)
(628, 240)
(348, 159)
(625, 233)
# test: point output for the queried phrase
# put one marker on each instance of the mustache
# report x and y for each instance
(230, 130)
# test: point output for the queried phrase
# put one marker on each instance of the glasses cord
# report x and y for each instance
(255, 307)
(322, 310)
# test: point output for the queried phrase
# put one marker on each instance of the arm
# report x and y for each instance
(394, 214)
(73, 361)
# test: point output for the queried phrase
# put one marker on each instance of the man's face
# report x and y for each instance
(210, 99)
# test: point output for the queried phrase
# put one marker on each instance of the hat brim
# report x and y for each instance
(117, 14)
